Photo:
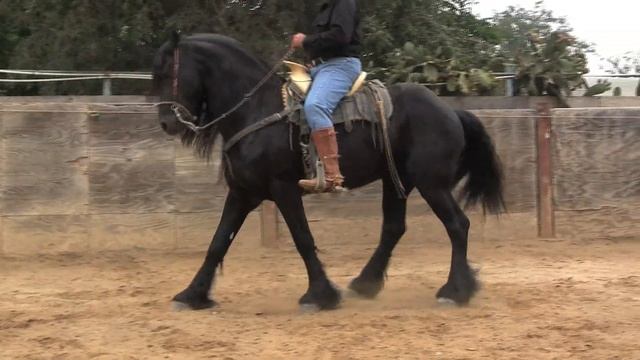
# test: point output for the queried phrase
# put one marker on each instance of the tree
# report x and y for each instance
(625, 64)
(84, 35)
(549, 59)
(122, 35)
(516, 25)
(425, 41)
(430, 41)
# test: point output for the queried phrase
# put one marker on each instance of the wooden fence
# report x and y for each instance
(78, 177)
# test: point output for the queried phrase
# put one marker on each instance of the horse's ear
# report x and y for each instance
(175, 38)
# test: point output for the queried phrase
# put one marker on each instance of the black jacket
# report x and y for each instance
(335, 31)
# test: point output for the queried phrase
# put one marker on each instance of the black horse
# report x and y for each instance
(434, 148)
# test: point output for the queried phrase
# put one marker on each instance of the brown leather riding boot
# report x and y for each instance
(327, 146)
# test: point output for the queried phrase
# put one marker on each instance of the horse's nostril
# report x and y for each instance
(164, 126)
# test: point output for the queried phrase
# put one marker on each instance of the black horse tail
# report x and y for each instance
(481, 165)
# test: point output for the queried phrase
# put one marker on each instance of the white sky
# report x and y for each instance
(613, 26)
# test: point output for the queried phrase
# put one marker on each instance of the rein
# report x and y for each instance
(180, 111)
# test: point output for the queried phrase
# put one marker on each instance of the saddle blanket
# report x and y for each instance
(362, 106)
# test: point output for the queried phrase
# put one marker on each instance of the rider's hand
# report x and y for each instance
(297, 40)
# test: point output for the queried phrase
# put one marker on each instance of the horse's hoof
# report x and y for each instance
(365, 288)
(461, 286)
(447, 302)
(186, 301)
(324, 297)
(309, 308)
(456, 294)
(179, 306)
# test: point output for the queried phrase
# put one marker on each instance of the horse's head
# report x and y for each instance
(208, 77)
(176, 79)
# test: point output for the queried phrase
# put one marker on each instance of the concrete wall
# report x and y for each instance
(77, 177)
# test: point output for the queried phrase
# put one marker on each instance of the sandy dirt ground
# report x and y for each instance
(560, 299)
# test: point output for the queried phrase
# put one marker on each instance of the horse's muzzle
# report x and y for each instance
(170, 126)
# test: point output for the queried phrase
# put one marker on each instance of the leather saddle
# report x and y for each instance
(301, 79)
(360, 104)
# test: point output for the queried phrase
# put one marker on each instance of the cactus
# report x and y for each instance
(439, 69)
(600, 87)
(617, 91)
(552, 66)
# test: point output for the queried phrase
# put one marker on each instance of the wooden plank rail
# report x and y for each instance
(77, 177)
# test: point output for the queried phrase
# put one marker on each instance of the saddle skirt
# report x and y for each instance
(361, 104)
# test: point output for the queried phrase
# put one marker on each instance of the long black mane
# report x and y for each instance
(223, 58)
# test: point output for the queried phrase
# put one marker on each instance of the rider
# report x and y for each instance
(334, 49)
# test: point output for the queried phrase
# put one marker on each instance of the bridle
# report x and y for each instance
(176, 69)
(180, 111)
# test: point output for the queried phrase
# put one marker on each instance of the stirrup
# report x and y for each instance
(321, 183)
(321, 180)
(321, 187)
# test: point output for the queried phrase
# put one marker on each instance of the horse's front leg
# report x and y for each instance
(236, 208)
(321, 293)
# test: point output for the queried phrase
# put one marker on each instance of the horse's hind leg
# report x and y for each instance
(236, 208)
(371, 279)
(461, 285)
(321, 293)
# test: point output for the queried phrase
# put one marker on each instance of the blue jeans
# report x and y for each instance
(332, 81)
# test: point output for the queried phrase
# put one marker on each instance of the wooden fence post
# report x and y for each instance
(269, 224)
(510, 83)
(546, 211)
(106, 87)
